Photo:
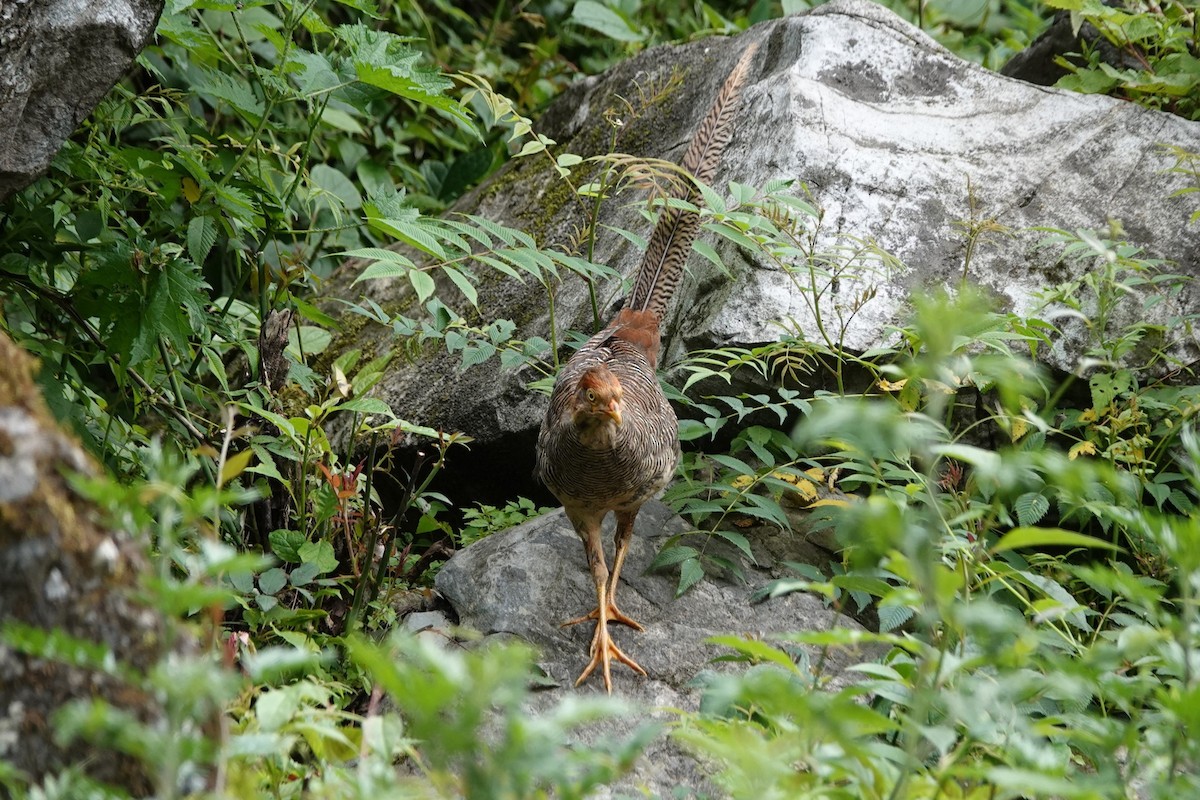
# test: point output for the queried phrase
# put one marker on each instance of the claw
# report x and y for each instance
(614, 615)
(603, 651)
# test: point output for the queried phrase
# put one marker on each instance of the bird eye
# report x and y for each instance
(591, 396)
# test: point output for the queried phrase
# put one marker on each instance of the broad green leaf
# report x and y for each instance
(286, 544)
(1048, 537)
(272, 580)
(319, 553)
(367, 405)
(605, 20)
(386, 61)
(422, 284)
(338, 185)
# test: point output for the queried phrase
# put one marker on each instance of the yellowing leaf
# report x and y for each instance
(807, 492)
(1019, 428)
(1081, 449)
(742, 481)
(830, 501)
(892, 386)
(234, 465)
(191, 190)
(344, 388)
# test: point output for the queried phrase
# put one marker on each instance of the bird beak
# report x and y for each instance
(614, 411)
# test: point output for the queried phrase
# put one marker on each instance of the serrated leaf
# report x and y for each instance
(386, 61)
(477, 353)
(233, 91)
(201, 236)
(690, 573)
(1030, 508)
(285, 544)
(422, 284)
(674, 554)
(173, 303)
(382, 269)
(463, 283)
(892, 617)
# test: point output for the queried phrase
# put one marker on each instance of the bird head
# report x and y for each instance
(597, 401)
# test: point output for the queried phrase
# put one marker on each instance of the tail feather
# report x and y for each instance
(671, 241)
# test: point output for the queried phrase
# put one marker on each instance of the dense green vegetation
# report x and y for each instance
(1036, 597)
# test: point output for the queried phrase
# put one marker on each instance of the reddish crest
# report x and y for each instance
(599, 379)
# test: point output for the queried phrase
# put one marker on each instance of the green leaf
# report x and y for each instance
(272, 580)
(308, 340)
(463, 283)
(690, 429)
(201, 235)
(605, 20)
(737, 540)
(319, 553)
(286, 544)
(215, 86)
(385, 61)
(690, 573)
(422, 284)
(173, 303)
(367, 405)
(338, 185)
(756, 650)
(1048, 537)
(1030, 508)
(672, 555)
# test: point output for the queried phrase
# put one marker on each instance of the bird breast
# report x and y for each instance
(626, 471)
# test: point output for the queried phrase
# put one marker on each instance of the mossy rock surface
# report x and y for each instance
(898, 141)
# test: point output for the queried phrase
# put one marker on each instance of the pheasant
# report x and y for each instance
(610, 440)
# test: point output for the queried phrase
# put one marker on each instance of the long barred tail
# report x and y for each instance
(662, 266)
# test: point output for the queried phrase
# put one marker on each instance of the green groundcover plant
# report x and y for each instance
(1024, 545)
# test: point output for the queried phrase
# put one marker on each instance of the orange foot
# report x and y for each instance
(614, 615)
(604, 650)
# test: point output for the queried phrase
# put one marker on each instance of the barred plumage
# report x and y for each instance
(671, 242)
(610, 440)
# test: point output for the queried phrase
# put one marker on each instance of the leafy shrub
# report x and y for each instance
(1034, 586)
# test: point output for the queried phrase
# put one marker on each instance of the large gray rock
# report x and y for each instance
(64, 573)
(891, 133)
(527, 580)
(57, 59)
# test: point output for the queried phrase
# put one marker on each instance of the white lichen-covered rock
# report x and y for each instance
(899, 142)
(57, 59)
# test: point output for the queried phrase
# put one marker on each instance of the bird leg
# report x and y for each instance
(603, 649)
(621, 539)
